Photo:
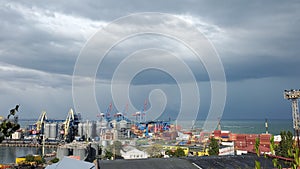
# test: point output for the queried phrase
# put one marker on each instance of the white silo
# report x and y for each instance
(53, 130)
(47, 130)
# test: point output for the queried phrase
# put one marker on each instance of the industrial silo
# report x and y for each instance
(47, 130)
(91, 129)
(80, 129)
(53, 130)
(84, 129)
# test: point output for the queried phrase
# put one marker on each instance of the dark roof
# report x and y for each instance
(151, 163)
(207, 162)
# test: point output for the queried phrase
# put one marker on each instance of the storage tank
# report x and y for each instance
(53, 130)
(80, 129)
(84, 129)
(81, 152)
(91, 129)
(61, 152)
(47, 130)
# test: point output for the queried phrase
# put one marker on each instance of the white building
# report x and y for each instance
(227, 148)
(130, 152)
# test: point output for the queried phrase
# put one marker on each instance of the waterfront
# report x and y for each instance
(8, 154)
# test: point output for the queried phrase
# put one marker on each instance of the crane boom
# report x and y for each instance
(40, 121)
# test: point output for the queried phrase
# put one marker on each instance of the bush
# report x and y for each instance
(54, 160)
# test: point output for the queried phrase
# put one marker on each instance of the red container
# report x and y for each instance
(233, 137)
(240, 144)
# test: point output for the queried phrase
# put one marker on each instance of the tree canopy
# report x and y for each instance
(213, 147)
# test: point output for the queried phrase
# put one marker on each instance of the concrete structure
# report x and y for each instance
(133, 153)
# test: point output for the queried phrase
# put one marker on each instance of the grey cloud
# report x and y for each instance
(256, 40)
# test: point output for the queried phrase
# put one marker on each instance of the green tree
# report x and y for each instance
(54, 160)
(116, 148)
(108, 154)
(8, 127)
(286, 144)
(213, 147)
(179, 152)
(169, 153)
(29, 158)
(154, 150)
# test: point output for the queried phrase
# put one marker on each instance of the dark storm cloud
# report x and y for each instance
(40, 42)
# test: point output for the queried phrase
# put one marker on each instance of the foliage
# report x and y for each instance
(257, 165)
(154, 150)
(272, 145)
(108, 154)
(286, 144)
(7, 127)
(29, 158)
(286, 148)
(115, 148)
(54, 160)
(257, 147)
(177, 153)
(213, 147)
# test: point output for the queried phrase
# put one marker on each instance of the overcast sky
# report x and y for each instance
(258, 43)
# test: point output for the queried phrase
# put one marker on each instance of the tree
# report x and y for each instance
(108, 154)
(8, 127)
(286, 144)
(116, 148)
(29, 158)
(154, 150)
(54, 160)
(213, 147)
(179, 152)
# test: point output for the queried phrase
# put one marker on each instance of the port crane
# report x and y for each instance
(69, 128)
(38, 126)
(40, 122)
(140, 116)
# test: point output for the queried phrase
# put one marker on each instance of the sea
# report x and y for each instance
(275, 126)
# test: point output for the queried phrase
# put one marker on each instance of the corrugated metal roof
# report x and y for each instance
(215, 162)
(71, 163)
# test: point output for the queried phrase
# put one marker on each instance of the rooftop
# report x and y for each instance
(216, 162)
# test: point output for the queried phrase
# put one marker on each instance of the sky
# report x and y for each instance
(257, 42)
